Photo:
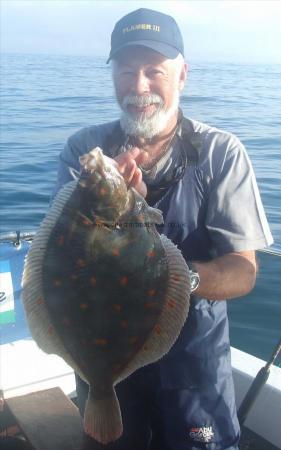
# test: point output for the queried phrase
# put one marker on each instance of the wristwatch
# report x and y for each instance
(194, 277)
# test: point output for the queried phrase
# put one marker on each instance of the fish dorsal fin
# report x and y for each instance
(37, 315)
(173, 315)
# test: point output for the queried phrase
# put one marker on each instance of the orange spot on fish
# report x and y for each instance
(40, 301)
(117, 307)
(93, 281)
(60, 240)
(133, 340)
(116, 252)
(101, 342)
(86, 222)
(151, 292)
(80, 262)
(57, 283)
(124, 323)
(145, 348)
(176, 278)
(99, 223)
(157, 329)
(151, 254)
(84, 306)
(149, 305)
(171, 304)
(66, 321)
(124, 281)
(50, 329)
(103, 191)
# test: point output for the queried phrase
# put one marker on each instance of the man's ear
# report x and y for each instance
(183, 75)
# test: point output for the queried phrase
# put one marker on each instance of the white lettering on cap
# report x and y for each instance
(141, 26)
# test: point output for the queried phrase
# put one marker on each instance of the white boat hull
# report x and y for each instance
(265, 416)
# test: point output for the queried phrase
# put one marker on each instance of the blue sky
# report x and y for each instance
(226, 30)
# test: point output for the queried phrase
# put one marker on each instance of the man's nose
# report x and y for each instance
(141, 84)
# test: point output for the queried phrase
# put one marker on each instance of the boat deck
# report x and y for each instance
(249, 441)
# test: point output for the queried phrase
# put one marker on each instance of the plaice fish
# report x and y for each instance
(102, 289)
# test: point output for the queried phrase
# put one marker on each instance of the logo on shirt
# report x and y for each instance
(201, 434)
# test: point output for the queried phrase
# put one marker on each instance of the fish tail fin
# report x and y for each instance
(102, 419)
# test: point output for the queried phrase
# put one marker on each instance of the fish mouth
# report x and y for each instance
(96, 162)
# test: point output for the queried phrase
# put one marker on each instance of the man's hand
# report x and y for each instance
(127, 164)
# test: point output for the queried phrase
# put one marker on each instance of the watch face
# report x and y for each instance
(194, 280)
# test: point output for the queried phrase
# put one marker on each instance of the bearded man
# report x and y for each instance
(202, 180)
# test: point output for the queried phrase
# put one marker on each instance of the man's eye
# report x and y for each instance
(155, 72)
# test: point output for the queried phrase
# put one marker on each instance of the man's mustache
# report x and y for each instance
(142, 100)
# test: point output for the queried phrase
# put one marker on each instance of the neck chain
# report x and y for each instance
(162, 153)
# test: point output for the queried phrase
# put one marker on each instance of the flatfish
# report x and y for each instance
(102, 289)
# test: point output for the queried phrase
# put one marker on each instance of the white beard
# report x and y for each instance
(146, 125)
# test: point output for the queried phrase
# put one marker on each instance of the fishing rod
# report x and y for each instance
(256, 386)
(15, 237)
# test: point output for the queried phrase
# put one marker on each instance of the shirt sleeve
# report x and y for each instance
(235, 216)
(68, 160)
(78, 144)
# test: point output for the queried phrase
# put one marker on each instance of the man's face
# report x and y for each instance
(147, 87)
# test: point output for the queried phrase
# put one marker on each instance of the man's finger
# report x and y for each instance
(128, 171)
(127, 164)
(123, 158)
(138, 184)
(141, 158)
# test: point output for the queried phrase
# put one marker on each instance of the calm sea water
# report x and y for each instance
(44, 99)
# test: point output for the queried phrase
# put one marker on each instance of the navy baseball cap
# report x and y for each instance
(147, 28)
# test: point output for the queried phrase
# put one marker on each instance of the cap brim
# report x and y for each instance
(166, 50)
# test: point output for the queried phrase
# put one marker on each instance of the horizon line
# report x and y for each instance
(189, 60)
